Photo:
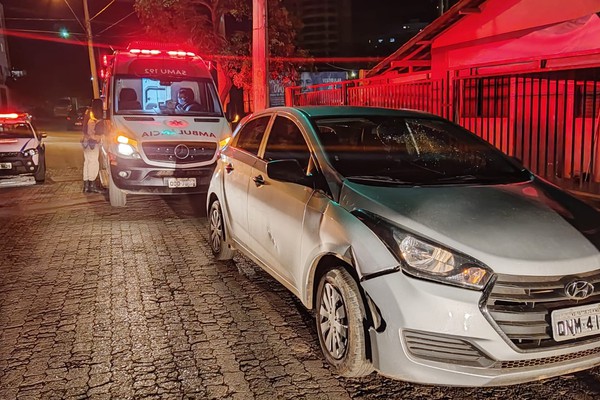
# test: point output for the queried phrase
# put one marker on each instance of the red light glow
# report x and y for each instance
(10, 116)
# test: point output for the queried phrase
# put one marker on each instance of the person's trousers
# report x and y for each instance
(91, 165)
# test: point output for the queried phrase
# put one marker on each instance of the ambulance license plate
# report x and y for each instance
(5, 165)
(175, 183)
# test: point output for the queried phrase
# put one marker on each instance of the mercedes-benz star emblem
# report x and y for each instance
(182, 151)
(579, 290)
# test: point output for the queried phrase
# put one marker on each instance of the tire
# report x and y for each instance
(117, 197)
(340, 316)
(40, 174)
(216, 233)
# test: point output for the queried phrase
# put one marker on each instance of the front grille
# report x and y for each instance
(180, 153)
(521, 307)
(442, 348)
(9, 154)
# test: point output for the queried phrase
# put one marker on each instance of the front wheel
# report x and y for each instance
(117, 197)
(340, 324)
(216, 231)
(40, 174)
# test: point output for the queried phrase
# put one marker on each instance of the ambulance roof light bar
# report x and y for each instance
(145, 52)
(156, 48)
(180, 53)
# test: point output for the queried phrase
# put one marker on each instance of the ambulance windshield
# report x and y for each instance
(148, 96)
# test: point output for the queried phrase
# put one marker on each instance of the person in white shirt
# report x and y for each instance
(92, 135)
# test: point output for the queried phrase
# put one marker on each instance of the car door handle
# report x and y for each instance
(258, 180)
(229, 168)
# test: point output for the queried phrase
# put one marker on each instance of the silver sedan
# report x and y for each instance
(426, 254)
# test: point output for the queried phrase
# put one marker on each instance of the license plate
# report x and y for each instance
(174, 183)
(576, 322)
(5, 165)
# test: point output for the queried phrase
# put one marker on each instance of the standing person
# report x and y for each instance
(92, 134)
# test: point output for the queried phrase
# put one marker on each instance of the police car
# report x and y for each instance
(22, 151)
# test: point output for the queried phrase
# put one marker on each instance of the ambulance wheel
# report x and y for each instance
(117, 197)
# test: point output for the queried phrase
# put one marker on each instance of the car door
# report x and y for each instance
(239, 158)
(276, 209)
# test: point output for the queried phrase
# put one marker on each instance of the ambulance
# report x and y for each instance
(151, 145)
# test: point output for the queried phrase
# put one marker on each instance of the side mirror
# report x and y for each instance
(43, 135)
(287, 171)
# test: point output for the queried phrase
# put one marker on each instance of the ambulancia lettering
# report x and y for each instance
(165, 71)
(197, 133)
(151, 133)
(181, 132)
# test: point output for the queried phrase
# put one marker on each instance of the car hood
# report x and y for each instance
(528, 228)
(9, 145)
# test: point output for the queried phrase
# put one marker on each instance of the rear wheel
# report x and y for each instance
(216, 231)
(340, 324)
(117, 197)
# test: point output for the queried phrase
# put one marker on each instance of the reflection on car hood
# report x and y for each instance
(528, 228)
(8, 145)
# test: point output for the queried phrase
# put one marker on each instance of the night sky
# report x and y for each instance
(57, 69)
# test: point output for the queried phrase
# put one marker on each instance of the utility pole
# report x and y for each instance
(443, 6)
(88, 33)
(259, 54)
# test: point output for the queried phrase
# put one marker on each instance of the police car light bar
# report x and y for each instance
(11, 116)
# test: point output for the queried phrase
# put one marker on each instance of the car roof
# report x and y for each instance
(342, 111)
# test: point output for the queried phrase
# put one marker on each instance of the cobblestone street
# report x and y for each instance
(100, 302)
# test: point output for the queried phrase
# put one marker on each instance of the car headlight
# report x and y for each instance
(30, 152)
(425, 259)
(127, 147)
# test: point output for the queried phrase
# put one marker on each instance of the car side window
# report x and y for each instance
(251, 135)
(286, 142)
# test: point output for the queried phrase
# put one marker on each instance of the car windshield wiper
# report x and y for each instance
(468, 178)
(381, 179)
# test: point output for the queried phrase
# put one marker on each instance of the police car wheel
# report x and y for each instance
(40, 175)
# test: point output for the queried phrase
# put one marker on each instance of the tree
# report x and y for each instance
(220, 30)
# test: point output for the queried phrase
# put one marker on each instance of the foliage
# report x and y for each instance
(221, 31)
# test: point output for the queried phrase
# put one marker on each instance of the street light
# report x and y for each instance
(64, 33)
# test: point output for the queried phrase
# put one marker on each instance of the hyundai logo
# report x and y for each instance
(182, 152)
(579, 290)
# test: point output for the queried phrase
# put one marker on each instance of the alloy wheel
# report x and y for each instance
(334, 322)
(216, 230)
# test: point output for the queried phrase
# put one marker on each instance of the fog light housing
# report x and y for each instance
(125, 174)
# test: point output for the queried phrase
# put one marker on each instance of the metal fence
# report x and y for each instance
(550, 121)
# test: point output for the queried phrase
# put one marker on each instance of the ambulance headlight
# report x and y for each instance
(127, 147)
